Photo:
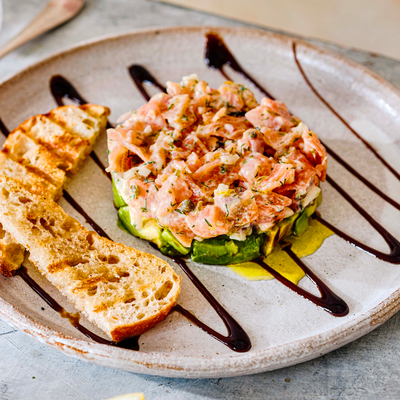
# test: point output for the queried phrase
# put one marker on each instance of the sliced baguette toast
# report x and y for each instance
(123, 291)
(68, 131)
(40, 151)
(12, 253)
(36, 158)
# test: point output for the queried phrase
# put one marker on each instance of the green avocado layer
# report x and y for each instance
(221, 250)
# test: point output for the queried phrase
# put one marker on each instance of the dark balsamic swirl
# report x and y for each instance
(97, 228)
(61, 88)
(328, 300)
(237, 338)
(217, 55)
(314, 90)
(394, 245)
(3, 129)
(141, 75)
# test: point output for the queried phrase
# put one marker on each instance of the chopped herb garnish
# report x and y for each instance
(144, 209)
(135, 191)
(207, 223)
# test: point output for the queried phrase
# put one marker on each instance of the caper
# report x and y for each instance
(253, 134)
(185, 207)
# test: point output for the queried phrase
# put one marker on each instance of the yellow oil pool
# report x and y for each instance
(303, 246)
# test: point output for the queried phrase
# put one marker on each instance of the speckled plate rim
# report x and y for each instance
(164, 364)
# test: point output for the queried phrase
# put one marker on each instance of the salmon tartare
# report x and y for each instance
(213, 173)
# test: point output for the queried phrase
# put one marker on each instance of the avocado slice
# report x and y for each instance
(301, 224)
(150, 230)
(270, 240)
(319, 199)
(223, 250)
(171, 240)
(286, 226)
(125, 218)
(118, 200)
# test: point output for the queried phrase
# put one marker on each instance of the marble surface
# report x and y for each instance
(365, 369)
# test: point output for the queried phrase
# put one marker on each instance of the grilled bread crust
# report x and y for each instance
(123, 291)
(40, 152)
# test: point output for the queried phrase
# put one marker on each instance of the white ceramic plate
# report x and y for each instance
(284, 328)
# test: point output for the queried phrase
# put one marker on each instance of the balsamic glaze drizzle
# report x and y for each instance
(74, 319)
(328, 300)
(132, 343)
(140, 75)
(394, 245)
(335, 155)
(98, 229)
(61, 88)
(368, 145)
(217, 55)
(237, 338)
(3, 129)
(223, 59)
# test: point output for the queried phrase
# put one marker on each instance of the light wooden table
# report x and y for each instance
(366, 369)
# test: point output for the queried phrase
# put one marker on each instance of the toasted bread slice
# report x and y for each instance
(12, 253)
(68, 131)
(86, 121)
(40, 151)
(31, 181)
(66, 145)
(36, 158)
(123, 291)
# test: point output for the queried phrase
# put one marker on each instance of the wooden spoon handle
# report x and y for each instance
(55, 13)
